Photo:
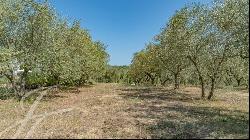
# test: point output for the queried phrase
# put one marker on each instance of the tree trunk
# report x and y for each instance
(163, 82)
(138, 81)
(12, 81)
(13, 84)
(211, 93)
(202, 87)
(227, 82)
(200, 77)
(153, 81)
(176, 81)
(56, 77)
(238, 82)
(152, 78)
(21, 91)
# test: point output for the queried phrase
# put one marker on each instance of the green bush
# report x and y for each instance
(35, 80)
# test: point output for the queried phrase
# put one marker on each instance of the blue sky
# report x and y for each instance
(125, 26)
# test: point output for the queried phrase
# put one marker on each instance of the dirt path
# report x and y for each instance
(114, 111)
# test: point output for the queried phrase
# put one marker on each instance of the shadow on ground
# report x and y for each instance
(158, 94)
(175, 115)
(8, 93)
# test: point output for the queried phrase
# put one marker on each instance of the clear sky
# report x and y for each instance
(125, 26)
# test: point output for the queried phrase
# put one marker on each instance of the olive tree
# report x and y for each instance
(47, 50)
(172, 41)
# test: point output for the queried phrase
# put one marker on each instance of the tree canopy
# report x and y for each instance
(43, 49)
(205, 43)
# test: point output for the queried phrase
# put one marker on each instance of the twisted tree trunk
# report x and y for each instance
(176, 81)
(202, 87)
(211, 93)
(201, 79)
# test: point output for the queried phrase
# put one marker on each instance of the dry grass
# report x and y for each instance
(115, 111)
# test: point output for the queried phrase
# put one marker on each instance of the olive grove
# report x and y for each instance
(40, 48)
(204, 44)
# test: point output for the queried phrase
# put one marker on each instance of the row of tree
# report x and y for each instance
(40, 48)
(205, 44)
(115, 74)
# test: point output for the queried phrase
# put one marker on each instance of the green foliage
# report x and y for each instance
(236, 72)
(33, 38)
(145, 66)
(203, 44)
(115, 74)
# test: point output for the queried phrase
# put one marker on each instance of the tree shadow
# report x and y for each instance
(155, 93)
(183, 119)
(52, 96)
(74, 89)
(199, 122)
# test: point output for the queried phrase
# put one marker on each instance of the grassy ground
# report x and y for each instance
(115, 111)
